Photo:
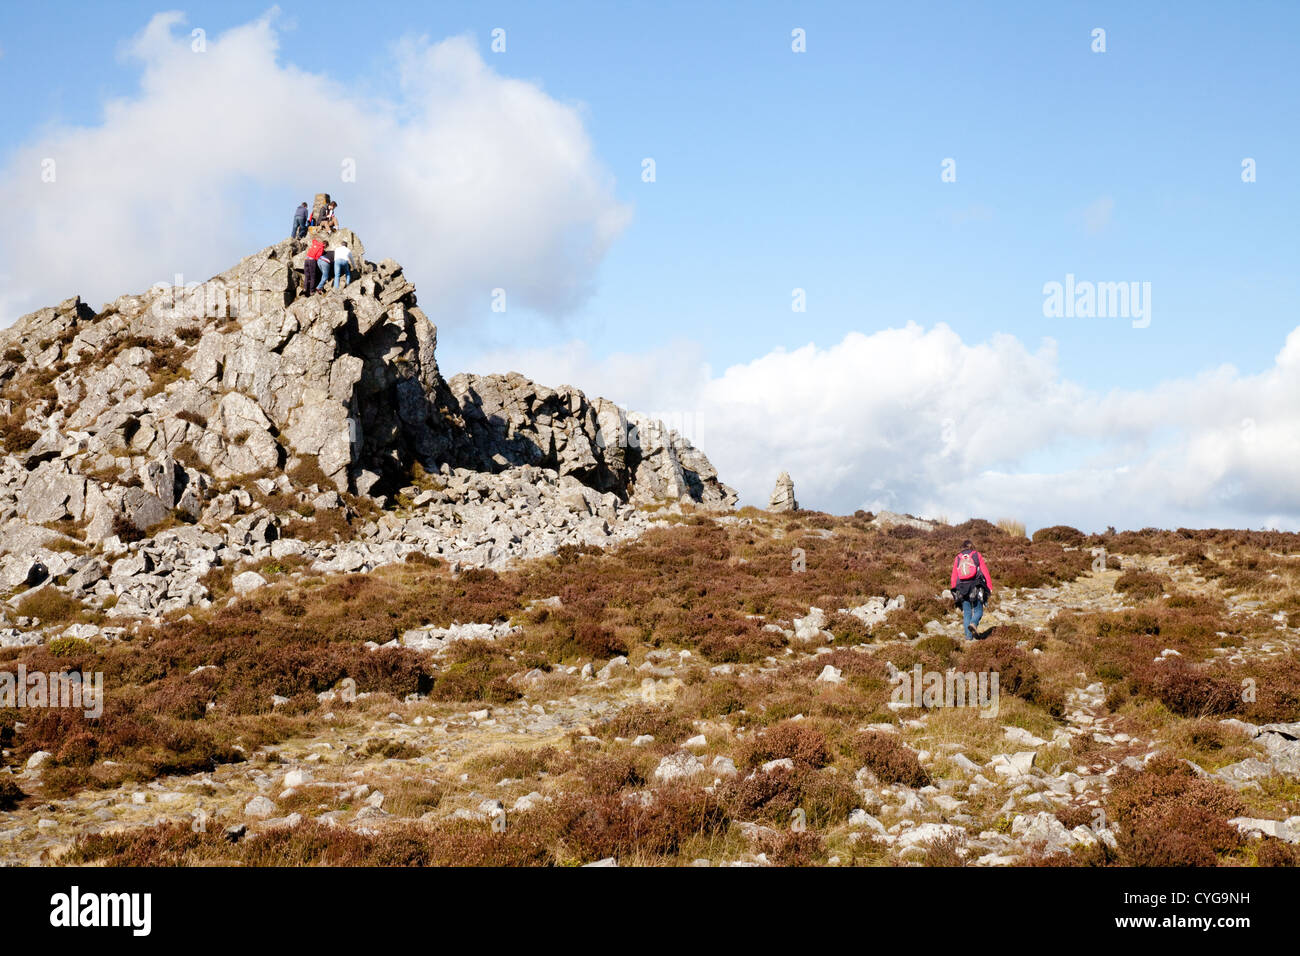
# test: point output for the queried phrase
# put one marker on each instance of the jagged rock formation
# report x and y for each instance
(890, 519)
(783, 494)
(509, 420)
(240, 405)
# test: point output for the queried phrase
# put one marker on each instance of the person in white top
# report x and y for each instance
(342, 265)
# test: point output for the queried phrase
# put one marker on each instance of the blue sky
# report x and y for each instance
(820, 170)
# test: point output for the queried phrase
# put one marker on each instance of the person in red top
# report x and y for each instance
(311, 268)
(971, 586)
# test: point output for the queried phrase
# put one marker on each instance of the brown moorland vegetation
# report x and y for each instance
(187, 696)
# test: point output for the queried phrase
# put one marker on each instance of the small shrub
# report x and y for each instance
(68, 647)
(790, 848)
(186, 456)
(889, 759)
(848, 630)
(1187, 690)
(478, 671)
(609, 774)
(1016, 670)
(391, 750)
(308, 472)
(126, 530)
(50, 605)
(1059, 534)
(598, 641)
(1074, 816)
(804, 745)
(412, 798)
(79, 750)
(826, 798)
(1012, 527)
(660, 722)
(945, 851)
(1271, 852)
(194, 418)
(15, 435)
(1143, 585)
(595, 827)
(517, 763)
(10, 794)
(1169, 817)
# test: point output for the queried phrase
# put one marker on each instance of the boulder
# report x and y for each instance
(247, 581)
(259, 808)
(783, 495)
(678, 766)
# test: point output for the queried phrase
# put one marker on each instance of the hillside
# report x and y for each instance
(347, 611)
(689, 698)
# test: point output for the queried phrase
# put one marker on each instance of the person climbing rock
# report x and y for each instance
(342, 265)
(311, 268)
(326, 266)
(971, 585)
(300, 221)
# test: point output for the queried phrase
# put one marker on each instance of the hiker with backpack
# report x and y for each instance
(971, 585)
(299, 222)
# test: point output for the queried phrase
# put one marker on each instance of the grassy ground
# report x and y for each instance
(703, 609)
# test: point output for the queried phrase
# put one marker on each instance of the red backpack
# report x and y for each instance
(967, 565)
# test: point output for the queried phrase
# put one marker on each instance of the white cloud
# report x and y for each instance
(917, 420)
(470, 179)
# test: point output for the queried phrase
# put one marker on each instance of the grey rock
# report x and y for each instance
(285, 400)
(259, 808)
(247, 581)
(38, 759)
(678, 766)
(783, 495)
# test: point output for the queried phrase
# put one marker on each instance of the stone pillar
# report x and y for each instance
(783, 495)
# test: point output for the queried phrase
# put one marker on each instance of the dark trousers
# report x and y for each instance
(299, 228)
(310, 276)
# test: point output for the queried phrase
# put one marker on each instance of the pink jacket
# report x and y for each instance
(984, 568)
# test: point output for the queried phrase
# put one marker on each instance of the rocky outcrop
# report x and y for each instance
(240, 405)
(510, 421)
(1280, 753)
(248, 374)
(889, 519)
(783, 494)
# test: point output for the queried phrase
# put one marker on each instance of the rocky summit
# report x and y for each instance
(179, 430)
